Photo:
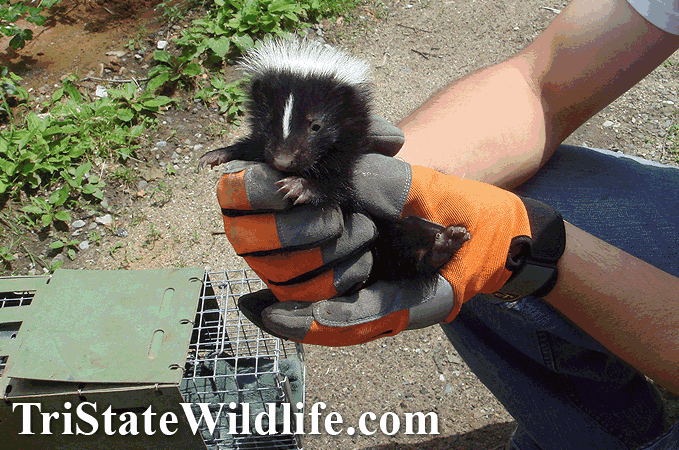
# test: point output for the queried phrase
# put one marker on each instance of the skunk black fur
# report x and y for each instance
(309, 115)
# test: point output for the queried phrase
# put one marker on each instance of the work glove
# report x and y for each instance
(314, 262)
(301, 253)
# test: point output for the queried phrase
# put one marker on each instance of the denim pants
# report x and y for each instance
(563, 388)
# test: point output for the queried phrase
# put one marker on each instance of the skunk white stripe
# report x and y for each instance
(287, 114)
(305, 58)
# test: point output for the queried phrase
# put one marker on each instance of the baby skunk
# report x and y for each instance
(309, 116)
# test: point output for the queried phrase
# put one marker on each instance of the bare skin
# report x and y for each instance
(591, 54)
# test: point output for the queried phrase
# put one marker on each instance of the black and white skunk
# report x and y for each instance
(309, 115)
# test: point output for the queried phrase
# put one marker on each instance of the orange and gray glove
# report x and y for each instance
(313, 261)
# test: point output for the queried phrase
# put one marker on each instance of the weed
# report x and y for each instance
(228, 97)
(71, 247)
(11, 13)
(172, 71)
(95, 237)
(6, 256)
(151, 238)
(161, 194)
(124, 175)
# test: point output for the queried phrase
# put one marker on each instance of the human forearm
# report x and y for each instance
(629, 306)
(487, 126)
(500, 124)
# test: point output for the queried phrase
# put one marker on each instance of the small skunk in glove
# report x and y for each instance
(309, 116)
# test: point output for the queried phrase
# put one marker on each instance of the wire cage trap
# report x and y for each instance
(145, 340)
(233, 366)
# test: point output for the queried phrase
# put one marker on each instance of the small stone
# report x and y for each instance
(198, 147)
(104, 220)
(121, 232)
(78, 223)
(100, 91)
(142, 185)
(84, 245)
(608, 124)
(117, 53)
(92, 226)
(162, 45)
(161, 144)
(454, 359)
(104, 203)
(138, 56)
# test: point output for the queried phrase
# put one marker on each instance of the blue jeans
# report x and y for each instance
(563, 388)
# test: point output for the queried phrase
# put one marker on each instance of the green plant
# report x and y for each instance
(6, 256)
(10, 13)
(161, 194)
(45, 148)
(173, 71)
(151, 238)
(46, 210)
(70, 246)
(11, 92)
(233, 25)
(124, 175)
(228, 97)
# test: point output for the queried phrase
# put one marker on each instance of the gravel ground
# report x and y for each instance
(415, 49)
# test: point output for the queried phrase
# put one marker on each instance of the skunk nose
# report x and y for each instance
(283, 162)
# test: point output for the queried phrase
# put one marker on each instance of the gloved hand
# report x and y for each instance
(512, 252)
(304, 253)
(514, 246)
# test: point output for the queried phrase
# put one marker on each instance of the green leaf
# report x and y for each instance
(57, 244)
(162, 56)
(19, 39)
(71, 253)
(32, 209)
(72, 91)
(82, 169)
(157, 102)
(57, 94)
(193, 70)
(63, 216)
(158, 81)
(125, 114)
(47, 219)
(219, 46)
(59, 196)
(243, 42)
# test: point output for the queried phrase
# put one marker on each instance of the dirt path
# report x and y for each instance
(415, 48)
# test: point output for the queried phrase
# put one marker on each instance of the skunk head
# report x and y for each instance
(309, 104)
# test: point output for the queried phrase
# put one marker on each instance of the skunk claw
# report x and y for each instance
(296, 189)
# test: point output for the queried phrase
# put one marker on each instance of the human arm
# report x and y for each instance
(629, 306)
(590, 54)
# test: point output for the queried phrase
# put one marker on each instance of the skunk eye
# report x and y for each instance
(315, 126)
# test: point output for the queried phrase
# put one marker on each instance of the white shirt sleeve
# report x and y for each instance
(664, 14)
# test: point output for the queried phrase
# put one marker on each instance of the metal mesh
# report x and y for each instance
(9, 299)
(10, 330)
(233, 362)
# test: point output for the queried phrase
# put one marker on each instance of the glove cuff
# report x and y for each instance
(533, 260)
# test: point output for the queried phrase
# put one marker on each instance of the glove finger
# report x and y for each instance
(384, 137)
(381, 309)
(358, 232)
(300, 228)
(327, 282)
(250, 186)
